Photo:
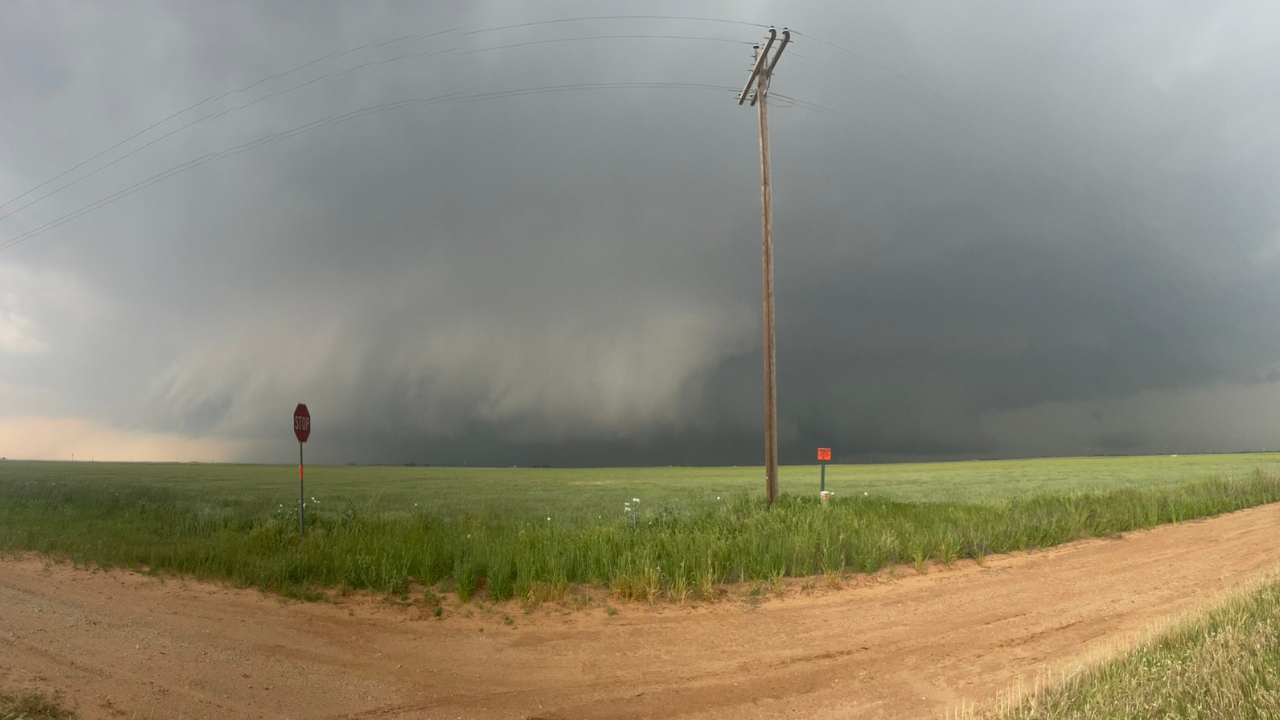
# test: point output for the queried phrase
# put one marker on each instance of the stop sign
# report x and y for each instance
(302, 423)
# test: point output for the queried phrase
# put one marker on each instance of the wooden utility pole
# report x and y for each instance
(761, 74)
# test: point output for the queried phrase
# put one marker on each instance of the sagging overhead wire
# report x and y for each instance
(214, 157)
(1087, 204)
(593, 18)
(210, 99)
(604, 37)
(335, 119)
(972, 125)
(856, 76)
(903, 76)
(548, 89)
(298, 86)
(841, 115)
(197, 121)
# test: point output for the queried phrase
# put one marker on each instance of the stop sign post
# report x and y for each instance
(301, 430)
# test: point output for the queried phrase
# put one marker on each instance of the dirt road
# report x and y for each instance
(124, 645)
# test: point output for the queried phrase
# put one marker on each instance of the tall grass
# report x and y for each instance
(1222, 665)
(675, 549)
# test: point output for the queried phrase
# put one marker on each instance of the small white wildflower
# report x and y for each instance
(865, 493)
(548, 519)
(635, 500)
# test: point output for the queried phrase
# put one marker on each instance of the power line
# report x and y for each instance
(361, 66)
(841, 115)
(970, 123)
(854, 75)
(336, 55)
(1137, 226)
(591, 18)
(590, 86)
(213, 98)
(605, 37)
(884, 67)
(285, 91)
(332, 56)
(210, 116)
(214, 157)
(330, 121)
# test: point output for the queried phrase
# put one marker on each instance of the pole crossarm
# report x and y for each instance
(759, 64)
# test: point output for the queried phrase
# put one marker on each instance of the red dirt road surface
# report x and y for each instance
(123, 645)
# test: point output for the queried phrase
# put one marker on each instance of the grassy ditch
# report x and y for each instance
(1222, 665)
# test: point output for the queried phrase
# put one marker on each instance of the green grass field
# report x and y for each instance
(534, 533)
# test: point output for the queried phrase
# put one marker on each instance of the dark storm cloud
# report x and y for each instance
(1063, 208)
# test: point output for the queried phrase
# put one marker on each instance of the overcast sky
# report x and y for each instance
(1001, 229)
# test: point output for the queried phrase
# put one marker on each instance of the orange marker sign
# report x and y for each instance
(824, 454)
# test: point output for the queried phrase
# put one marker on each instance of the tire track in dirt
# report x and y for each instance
(121, 644)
